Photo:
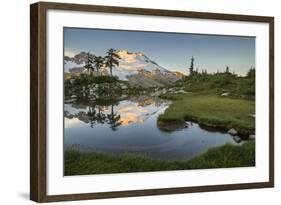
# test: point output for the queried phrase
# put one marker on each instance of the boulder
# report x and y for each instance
(187, 125)
(252, 137)
(72, 81)
(225, 94)
(237, 139)
(156, 93)
(232, 131)
(91, 91)
(69, 101)
(124, 96)
(181, 91)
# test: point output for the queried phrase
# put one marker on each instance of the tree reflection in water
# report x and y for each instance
(92, 116)
(95, 113)
(114, 119)
(114, 112)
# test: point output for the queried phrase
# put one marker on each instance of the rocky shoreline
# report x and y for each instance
(183, 124)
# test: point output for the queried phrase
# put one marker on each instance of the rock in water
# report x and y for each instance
(232, 131)
(237, 139)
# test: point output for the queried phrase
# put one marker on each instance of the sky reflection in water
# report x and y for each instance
(131, 126)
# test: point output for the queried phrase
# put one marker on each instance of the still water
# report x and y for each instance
(131, 126)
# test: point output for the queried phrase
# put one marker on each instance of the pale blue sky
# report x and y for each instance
(170, 50)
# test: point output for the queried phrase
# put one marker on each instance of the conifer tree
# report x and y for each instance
(89, 63)
(191, 68)
(227, 69)
(112, 59)
(98, 62)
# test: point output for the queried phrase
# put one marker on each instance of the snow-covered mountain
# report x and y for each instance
(133, 63)
(136, 68)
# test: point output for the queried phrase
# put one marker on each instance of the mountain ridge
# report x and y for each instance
(134, 67)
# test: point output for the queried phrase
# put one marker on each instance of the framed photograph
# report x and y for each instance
(135, 102)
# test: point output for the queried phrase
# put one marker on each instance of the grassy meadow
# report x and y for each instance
(79, 163)
(213, 111)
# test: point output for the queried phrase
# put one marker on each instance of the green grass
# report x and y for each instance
(79, 163)
(213, 111)
(236, 86)
(226, 156)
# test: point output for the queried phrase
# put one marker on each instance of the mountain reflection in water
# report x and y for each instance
(131, 126)
(113, 113)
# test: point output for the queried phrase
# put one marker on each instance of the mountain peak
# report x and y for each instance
(133, 66)
(140, 54)
(124, 53)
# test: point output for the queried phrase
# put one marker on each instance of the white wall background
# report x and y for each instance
(14, 102)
